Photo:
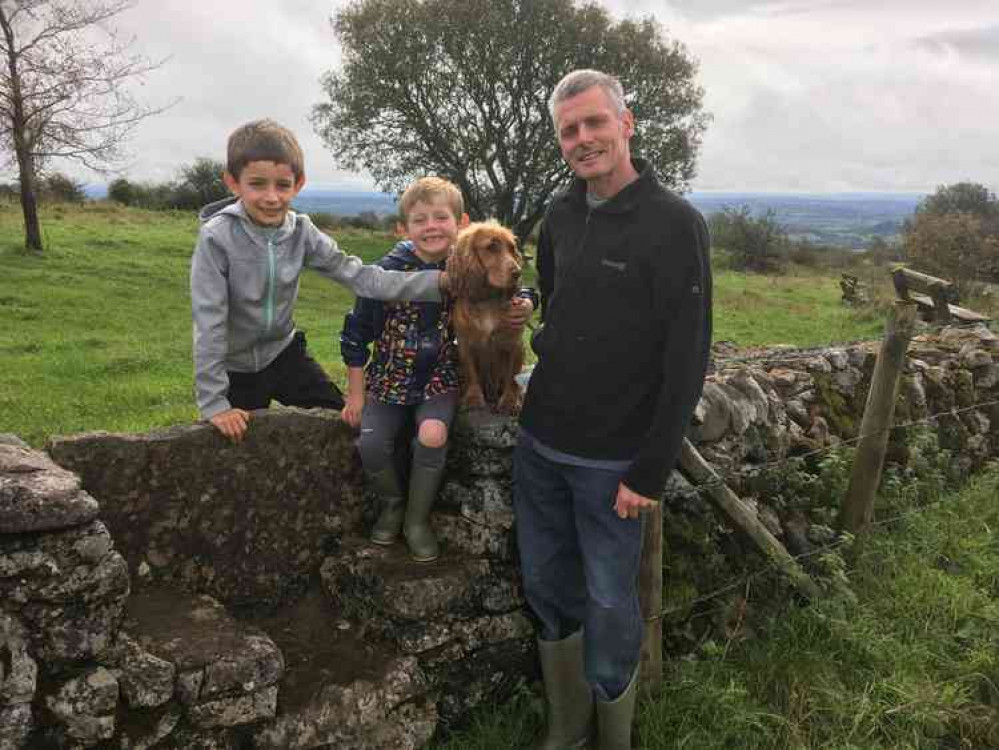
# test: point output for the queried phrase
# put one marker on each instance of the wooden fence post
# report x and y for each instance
(858, 506)
(650, 591)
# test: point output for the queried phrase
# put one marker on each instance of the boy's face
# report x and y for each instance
(433, 228)
(266, 189)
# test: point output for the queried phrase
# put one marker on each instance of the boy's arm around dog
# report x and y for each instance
(325, 257)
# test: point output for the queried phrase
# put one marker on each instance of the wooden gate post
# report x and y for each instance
(858, 506)
(650, 594)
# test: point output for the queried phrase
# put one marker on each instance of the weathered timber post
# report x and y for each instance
(858, 506)
(701, 474)
(650, 589)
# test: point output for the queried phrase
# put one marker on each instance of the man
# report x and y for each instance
(626, 309)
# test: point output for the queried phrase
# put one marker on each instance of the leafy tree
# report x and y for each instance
(460, 88)
(62, 89)
(966, 197)
(756, 243)
(124, 192)
(955, 234)
(57, 187)
(955, 246)
(200, 183)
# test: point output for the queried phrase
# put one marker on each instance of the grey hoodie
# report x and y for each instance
(244, 283)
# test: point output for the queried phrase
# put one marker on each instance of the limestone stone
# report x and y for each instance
(973, 358)
(83, 707)
(8, 438)
(73, 632)
(714, 414)
(488, 502)
(244, 523)
(18, 671)
(233, 710)
(466, 537)
(487, 677)
(213, 654)
(469, 635)
(16, 723)
(187, 737)
(37, 495)
(838, 359)
(388, 582)
(341, 715)
(146, 680)
(145, 730)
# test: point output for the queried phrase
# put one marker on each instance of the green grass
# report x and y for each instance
(95, 334)
(912, 663)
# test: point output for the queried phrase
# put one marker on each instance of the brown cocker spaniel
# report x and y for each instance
(483, 273)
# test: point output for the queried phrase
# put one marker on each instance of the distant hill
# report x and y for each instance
(841, 219)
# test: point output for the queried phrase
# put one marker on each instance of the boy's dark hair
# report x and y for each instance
(263, 140)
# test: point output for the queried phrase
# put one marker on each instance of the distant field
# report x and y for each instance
(96, 334)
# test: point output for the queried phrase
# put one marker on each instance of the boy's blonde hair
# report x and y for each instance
(263, 140)
(428, 189)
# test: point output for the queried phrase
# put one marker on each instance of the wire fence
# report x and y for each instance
(744, 581)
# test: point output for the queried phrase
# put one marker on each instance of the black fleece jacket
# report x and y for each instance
(626, 311)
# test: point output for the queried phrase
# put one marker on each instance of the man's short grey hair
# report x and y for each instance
(578, 81)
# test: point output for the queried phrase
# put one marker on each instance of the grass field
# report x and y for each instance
(910, 663)
(95, 334)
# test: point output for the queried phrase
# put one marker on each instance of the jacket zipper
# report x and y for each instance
(269, 307)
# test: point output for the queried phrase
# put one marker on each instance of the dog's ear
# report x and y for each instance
(459, 264)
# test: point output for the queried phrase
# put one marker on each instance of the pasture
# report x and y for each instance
(96, 333)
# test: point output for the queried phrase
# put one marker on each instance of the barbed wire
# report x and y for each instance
(802, 352)
(699, 488)
(769, 569)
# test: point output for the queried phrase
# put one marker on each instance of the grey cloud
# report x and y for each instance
(980, 43)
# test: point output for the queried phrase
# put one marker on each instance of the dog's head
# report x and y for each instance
(485, 262)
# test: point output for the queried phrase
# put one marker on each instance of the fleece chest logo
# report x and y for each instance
(617, 265)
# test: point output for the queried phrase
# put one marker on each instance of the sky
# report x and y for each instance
(805, 95)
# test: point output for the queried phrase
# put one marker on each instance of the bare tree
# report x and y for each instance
(63, 71)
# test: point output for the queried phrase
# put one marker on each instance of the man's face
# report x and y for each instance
(266, 189)
(593, 136)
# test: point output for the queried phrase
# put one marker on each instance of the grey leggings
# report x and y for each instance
(381, 423)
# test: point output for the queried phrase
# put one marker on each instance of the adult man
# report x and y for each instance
(626, 306)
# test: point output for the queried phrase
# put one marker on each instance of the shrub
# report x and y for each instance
(756, 243)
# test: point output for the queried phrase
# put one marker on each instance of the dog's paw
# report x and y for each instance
(510, 402)
(474, 400)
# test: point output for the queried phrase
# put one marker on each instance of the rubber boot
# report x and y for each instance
(393, 507)
(569, 697)
(424, 482)
(614, 718)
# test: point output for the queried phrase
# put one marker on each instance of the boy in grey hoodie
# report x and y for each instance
(244, 282)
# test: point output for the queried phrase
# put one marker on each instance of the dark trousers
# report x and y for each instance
(294, 378)
(580, 562)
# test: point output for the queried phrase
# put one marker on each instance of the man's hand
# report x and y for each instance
(519, 312)
(629, 503)
(353, 408)
(232, 423)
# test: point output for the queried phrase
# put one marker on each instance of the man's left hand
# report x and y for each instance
(519, 312)
(629, 503)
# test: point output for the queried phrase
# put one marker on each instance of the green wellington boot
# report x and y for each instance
(424, 482)
(389, 524)
(614, 718)
(569, 697)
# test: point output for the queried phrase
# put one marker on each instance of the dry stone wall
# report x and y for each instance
(171, 590)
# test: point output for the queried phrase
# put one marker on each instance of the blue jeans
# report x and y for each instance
(580, 562)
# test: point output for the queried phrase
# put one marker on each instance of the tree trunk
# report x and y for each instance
(29, 205)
